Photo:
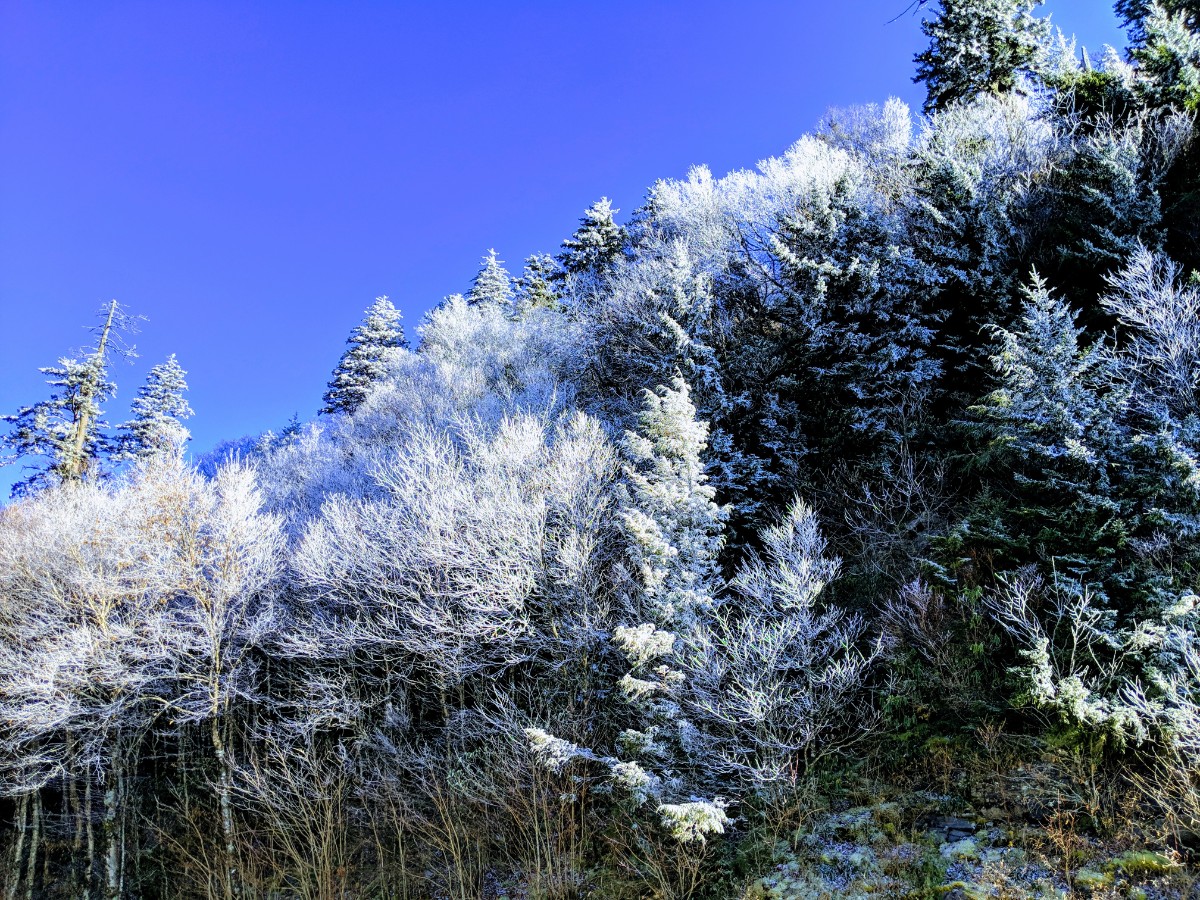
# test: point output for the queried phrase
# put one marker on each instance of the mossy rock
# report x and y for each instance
(1091, 880)
(1141, 864)
(965, 850)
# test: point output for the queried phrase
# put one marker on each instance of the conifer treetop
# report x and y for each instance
(363, 365)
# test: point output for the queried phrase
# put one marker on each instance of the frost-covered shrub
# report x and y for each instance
(777, 679)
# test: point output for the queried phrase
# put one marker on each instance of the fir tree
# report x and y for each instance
(492, 284)
(68, 428)
(672, 519)
(1135, 13)
(596, 244)
(364, 364)
(534, 289)
(290, 433)
(978, 46)
(1168, 56)
(1081, 480)
(158, 409)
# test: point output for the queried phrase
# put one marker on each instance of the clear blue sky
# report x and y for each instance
(251, 175)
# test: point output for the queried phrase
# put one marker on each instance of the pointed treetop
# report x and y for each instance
(675, 526)
(68, 428)
(364, 364)
(597, 242)
(158, 411)
(534, 287)
(491, 284)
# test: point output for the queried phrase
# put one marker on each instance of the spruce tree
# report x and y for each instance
(978, 46)
(1135, 13)
(534, 288)
(158, 411)
(1167, 53)
(1081, 481)
(672, 519)
(363, 365)
(491, 284)
(596, 244)
(68, 428)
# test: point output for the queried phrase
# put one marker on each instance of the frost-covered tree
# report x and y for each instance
(491, 284)
(68, 428)
(224, 556)
(364, 364)
(1055, 420)
(535, 288)
(1166, 50)
(1134, 13)
(1162, 315)
(80, 669)
(158, 411)
(974, 169)
(778, 679)
(978, 46)
(1083, 484)
(672, 519)
(1102, 202)
(596, 244)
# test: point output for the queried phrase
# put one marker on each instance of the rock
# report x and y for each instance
(953, 828)
(964, 849)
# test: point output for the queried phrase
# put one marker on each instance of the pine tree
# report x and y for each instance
(596, 244)
(1167, 53)
(492, 284)
(364, 364)
(158, 409)
(1135, 14)
(68, 429)
(672, 519)
(978, 46)
(534, 289)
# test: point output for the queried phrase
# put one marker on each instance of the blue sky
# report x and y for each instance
(250, 176)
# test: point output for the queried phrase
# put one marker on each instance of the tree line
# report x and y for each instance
(796, 471)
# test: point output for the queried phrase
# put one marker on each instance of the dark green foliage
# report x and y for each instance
(596, 244)
(1076, 483)
(976, 47)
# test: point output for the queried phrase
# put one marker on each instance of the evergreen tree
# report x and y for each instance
(158, 409)
(1168, 56)
(1052, 428)
(492, 284)
(1081, 481)
(1098, 206)
(672, 519)
(68, 428)
(1135, 14)
(534, 289)
(978, 46)
(364, 364)
(290, 433)
(596, 244)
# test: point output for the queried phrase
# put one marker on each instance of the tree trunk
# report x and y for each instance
(225, 799)
(77, 462)
(34, 845)
(89, 872)
(14, 869)
(112, 838)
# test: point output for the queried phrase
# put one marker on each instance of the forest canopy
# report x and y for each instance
(858, 491)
